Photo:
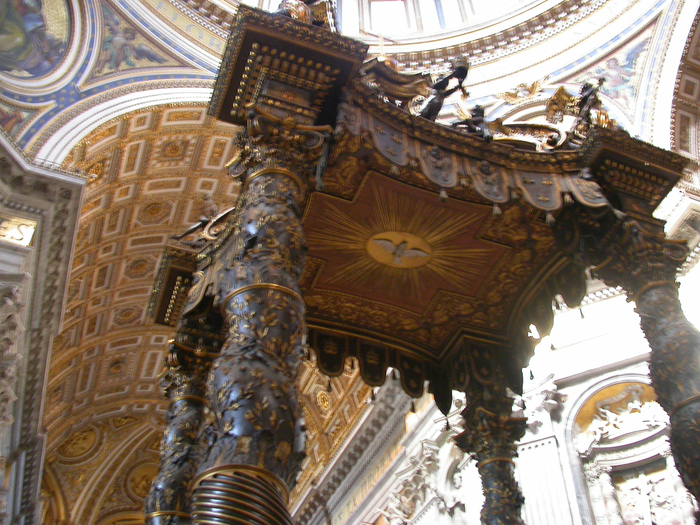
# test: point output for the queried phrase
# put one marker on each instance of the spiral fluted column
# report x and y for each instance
(168, 502)
(625, 252)
(675, 374)
(255, 443)
(491, 433)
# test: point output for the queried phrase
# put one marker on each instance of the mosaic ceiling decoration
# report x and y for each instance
(37, 37)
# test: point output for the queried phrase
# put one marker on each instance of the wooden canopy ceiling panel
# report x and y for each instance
(397, 263)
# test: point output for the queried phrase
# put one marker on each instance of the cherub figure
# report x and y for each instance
(318, 13)
(208, 212)
(476, 124)
(434, 105)
(619, 73)
(451, 501)
(399, 510)
(588, 103)
(118, 47)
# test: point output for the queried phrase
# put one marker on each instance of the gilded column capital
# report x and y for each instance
(285, 143)
(619, 249)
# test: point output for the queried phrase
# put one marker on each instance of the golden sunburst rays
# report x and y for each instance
(401, 246)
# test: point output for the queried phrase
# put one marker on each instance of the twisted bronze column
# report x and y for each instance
(491, 435)
(255, 446)
(184, 381)
(675, 373)
(638, 258)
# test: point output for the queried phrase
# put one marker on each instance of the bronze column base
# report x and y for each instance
(168, 517)
(240, 494)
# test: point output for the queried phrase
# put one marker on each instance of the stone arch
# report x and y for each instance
(54, 507)
(618, 435)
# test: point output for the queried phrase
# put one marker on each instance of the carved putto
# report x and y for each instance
(319, 13)
(476, 124)
(452, 502)
(209, 212)
(442, 89)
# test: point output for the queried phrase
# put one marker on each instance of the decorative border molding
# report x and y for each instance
(55, 199)
(346, 468)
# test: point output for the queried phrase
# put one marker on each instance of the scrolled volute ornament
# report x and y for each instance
(280, 142)
(618, 249)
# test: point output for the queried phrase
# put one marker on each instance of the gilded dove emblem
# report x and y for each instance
(399, 251)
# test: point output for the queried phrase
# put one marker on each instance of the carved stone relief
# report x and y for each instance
(417, 486)
(11, 329)
(654, 495)
(10, 309)
(615, 423)
(629, 471)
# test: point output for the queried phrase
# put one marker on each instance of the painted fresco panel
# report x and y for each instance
(33, 36)
(622, 71)
(124, 48)
(12, 119)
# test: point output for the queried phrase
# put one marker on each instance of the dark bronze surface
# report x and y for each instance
(431, 250)
(184, 382)
(239, 494)
(491, 434)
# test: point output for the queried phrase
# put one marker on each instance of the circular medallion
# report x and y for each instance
(141, 478)
(399, 249)
(323, 400)
(79, 443)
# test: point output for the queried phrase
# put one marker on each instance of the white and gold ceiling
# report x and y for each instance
(119, 91)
